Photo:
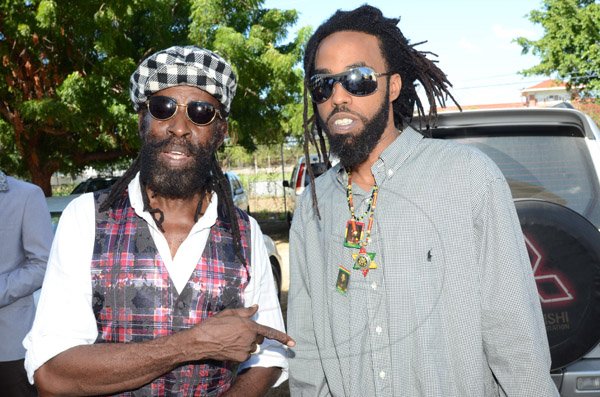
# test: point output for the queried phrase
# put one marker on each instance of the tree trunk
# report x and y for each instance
(28, 145)
(43, 179)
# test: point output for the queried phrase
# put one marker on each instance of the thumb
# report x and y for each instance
(249, 311)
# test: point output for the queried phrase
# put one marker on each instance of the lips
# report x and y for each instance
(342, 122)
(176, 152)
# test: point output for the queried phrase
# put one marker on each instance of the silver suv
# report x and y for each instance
(551, 160)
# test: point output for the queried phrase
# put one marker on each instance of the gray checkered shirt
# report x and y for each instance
(451, 310)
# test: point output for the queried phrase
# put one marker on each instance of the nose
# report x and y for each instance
(339, 95)
(179, 125)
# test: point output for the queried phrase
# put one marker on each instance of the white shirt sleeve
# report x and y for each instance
(64, 316)
(261, 291)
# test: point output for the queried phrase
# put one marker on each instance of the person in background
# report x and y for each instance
(435, 296)
(25, 240)
(160, 286)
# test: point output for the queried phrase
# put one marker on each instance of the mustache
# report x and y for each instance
(159, 144)
(340, 109)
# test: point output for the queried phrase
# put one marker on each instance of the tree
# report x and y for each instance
(570, 46)
(64, 100)
(64, 103)
(267, 104)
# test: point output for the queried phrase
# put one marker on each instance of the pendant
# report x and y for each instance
(364, 261)
(354, 233)
(343, 278)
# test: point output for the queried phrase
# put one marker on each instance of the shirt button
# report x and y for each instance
(378, 329)
(390, 172)
(382, 374)
(374, 285)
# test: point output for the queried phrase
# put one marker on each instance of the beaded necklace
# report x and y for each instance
(356, 235)
(371, 204)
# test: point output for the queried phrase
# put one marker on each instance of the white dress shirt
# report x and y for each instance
(65, 317)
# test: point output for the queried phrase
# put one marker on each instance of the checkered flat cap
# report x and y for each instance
(187, 65)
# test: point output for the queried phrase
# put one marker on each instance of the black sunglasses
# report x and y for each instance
(198, 112)
(360, 81)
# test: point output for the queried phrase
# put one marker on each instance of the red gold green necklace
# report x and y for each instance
(356, 234)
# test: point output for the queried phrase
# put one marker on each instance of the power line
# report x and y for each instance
(498, 85)
(531, 81)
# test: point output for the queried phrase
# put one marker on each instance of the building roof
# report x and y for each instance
(546, 85)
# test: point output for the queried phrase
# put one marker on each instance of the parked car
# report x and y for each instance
(241, 200)
(551, 160)
(94, 184)
(238, 193)
(57, 204)
(299, 179)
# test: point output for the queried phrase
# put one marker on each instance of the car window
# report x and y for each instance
(236, 184)
(93, 185)
(292, 176)
(81, 188)
(99, 184)
(553, 168)
(318, 169)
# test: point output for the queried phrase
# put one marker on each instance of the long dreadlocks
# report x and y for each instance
(219, 184)
(401, 57)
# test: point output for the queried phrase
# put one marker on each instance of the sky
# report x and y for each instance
(472, 38)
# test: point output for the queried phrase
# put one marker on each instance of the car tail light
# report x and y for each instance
(300, 179)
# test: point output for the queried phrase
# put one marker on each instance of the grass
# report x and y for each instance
(267, 208)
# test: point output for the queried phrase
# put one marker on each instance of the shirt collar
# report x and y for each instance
(3, 182)
(391, 159)
(398, 151)
(137, 203)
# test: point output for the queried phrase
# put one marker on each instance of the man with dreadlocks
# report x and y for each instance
(161, 286)
(409, 273)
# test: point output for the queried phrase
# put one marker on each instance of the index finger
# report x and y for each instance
(274, 334)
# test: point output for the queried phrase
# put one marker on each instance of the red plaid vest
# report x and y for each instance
(135, 300)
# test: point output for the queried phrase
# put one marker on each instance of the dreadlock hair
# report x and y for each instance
(219, 184)
(400, 57)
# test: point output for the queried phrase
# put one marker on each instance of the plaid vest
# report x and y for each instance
(134, 299)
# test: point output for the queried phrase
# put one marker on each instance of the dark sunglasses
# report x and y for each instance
(198, 112)
(361, 81)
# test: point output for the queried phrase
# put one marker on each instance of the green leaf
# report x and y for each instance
(570, 46)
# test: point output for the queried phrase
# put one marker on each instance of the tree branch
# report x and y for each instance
(86, 158)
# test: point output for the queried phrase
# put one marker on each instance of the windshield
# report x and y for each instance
(553, 168)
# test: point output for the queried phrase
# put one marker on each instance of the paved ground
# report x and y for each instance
(278, 231)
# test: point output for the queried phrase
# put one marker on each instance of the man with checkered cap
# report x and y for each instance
(160, 286)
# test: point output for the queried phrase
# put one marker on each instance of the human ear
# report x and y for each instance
(143, 123)
(395, 86)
